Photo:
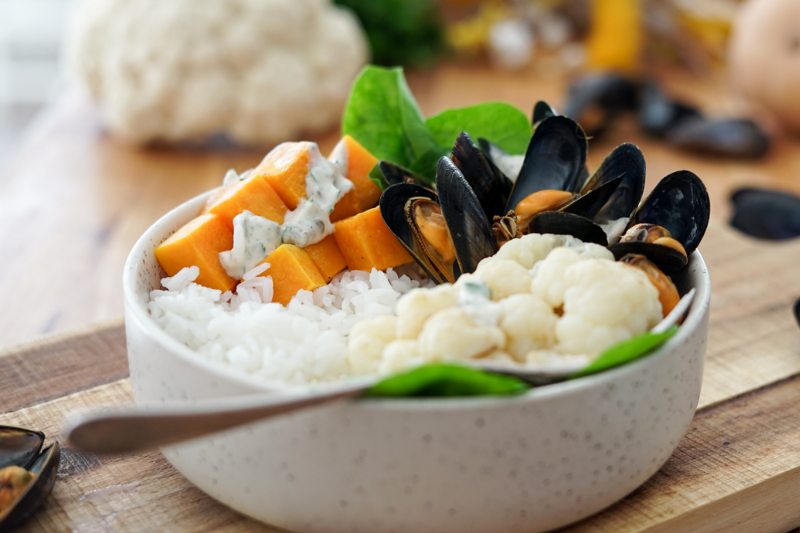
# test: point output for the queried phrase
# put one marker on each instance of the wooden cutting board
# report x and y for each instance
(737, 469)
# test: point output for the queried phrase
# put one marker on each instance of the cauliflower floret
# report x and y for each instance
(605, 302)
(260, 71)
(529, 324)
(451, 334)
(548, 275)
(532, 248)
(400, 354)
(367, 341)
(504, 276)
(414, 308)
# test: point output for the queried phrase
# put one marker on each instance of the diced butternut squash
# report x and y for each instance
(326, 257)
(291, 269)
(346, 207)
(359, 165)
(285, 169)
(366, 242)
(199, 243)
(253, 194)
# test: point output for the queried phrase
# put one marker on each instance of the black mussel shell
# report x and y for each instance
(394, 174)
(680, 204)
(625, 161)
(555, 159)
(765, 214)
(562, 223)
(595, 101)
(19, 446)
(473, 239)
(590, 204)
(508, 164)
(488, 183)
(723, 137)
(658, 113)
(669, 260)
(797, 311)
(392, 205)
(541, 111)
(45, 467)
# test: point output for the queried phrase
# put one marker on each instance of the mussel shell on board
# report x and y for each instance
(555, 159)
(596, 100)
(766, 214)
(489, 184)
(473, 239)
(625, 161)
(739, 138)
(658, 113)
(19, 446)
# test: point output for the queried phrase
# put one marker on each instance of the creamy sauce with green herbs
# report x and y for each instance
(475, 297)
(255, 237)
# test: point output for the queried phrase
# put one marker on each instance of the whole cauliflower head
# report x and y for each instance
(605, 302)
(260, 71)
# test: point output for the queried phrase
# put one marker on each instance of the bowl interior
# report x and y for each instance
(142, 274)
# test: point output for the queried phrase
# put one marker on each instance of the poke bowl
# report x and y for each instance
(530, 462)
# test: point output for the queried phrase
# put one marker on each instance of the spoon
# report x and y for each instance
(146, 428)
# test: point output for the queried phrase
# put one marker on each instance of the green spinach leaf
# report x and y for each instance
(503, 124)
(626, 351)
(376, 177)
(383, 116)
(446, 380)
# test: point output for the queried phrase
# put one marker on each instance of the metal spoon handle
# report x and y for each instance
(143, 429)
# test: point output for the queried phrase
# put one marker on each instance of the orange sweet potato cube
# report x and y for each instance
(199, 243)
(326, 257)
(285, 169)
(346, 207)
(291, 269)
(359, 164)
(366, 242)
(253, 194)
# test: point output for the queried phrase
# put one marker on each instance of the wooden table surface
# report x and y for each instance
(74, 201)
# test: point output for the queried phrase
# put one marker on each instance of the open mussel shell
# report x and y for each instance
(489, 184)
(590, 204)
(473, 239)
(555, 159)
(19, 446)
(722, 137)
(669, 260)
(394, 174)
(766, 214)
(625, 161)
(541, 111)
(393, 211)
(45, 468)
(561, 223)
(658, 113)
(596, 100)
(509, 165)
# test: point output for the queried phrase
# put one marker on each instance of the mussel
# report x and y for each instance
(394, 174)
(490, 185)
(27, 473)
(766, 214)
(446, 231)
(658, 113)
(595, 101)
(739, 138)
(669, 224)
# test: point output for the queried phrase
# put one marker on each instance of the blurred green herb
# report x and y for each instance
(400, 32)
(443, 380)
(376, 177)
(384, 117)
(626, 351)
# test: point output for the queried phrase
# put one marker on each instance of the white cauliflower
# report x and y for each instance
(531, 248)
(451, 334)
(400, 354)
(260, 71)
(529, 324)
(505, 277)
(605, 302)
(548, 275)
(414, 308)
(367, 341)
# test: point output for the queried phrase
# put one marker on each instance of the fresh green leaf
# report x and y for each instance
(443, 380)
(425, 166)
(626, 351)
(383, 116)
(376, 177)
(503, 124)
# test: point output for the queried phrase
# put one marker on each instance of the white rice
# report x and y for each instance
(304, 342)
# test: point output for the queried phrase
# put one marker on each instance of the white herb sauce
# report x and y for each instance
(510, 165)
(255, 237)
(474, 297)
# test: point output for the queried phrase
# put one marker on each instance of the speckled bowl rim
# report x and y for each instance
(181, 214)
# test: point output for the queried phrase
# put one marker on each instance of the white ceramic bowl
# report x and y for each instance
(526, 464)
